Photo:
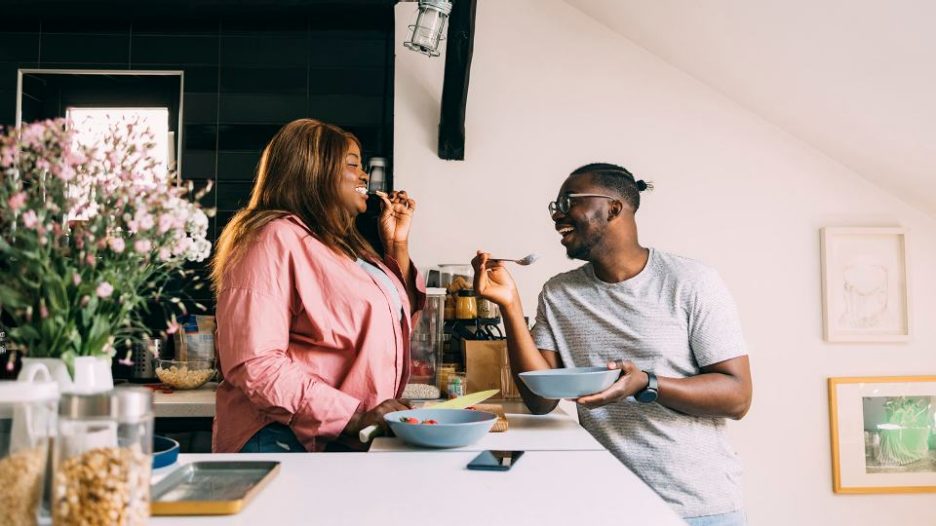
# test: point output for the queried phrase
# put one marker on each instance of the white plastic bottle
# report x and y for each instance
(377, 171)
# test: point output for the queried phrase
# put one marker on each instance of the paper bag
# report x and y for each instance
(195, 338)
(487, 367)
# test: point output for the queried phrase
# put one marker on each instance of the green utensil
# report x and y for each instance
(465, 401)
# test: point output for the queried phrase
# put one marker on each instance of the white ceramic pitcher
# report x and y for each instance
(92, 373)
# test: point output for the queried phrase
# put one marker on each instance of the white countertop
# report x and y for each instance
(186, 403)
(201, 403)
(414, 488)
(556, 431)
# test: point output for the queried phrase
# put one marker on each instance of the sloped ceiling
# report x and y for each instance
(855, 79)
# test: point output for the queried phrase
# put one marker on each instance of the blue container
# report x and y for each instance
(455, 428)
(569, 382)
(165, 451)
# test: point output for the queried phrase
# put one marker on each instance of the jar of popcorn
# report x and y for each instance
(103, 456)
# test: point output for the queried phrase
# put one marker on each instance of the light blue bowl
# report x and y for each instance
(456, 427)
(165, 451)
(570, 382)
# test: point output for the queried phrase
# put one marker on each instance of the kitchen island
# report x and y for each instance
(433, 487)
(565, 477)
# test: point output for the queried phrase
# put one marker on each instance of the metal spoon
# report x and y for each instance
(527, 260)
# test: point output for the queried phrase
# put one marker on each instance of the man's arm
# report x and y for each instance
(493, 282)
(524, 356)
(722, 389)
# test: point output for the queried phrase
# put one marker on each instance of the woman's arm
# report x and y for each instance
(396, 218)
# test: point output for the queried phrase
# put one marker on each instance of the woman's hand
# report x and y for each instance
(396, 216)
(374, 417)
(492, 281)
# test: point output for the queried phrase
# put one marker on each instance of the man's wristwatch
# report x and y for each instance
(648, 394)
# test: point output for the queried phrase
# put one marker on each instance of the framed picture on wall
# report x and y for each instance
(883, 434)
(865, 284)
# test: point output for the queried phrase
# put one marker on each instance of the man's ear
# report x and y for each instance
(615, 210)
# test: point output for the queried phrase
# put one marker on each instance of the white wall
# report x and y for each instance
(551, 90)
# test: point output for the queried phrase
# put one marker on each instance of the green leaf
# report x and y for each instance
(58, 295)
(11, 297)
(69, 358)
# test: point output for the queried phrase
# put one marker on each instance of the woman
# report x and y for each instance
(313, 325)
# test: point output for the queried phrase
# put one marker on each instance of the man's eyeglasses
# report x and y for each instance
(565, 202)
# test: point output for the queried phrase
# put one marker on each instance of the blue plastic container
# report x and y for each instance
(165, 451)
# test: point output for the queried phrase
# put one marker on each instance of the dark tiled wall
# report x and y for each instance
(243, 80)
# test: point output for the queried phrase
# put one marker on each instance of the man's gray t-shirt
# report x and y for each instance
(672, 318)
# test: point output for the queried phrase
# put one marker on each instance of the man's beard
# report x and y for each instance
(582, 250)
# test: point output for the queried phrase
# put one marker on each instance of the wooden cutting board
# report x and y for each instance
(501, 424)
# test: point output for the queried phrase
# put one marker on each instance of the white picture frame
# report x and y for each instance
(865, 284)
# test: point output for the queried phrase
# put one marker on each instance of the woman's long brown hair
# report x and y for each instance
(299, 173)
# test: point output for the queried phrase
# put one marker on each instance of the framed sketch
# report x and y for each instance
(883, 434)
(865, 285)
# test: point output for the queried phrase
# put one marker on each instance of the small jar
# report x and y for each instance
(103, 456)
(508, 387)
(487, 310)
(445, 372)
(456, 385)
(466, 308)
(27, 425)
(449, 308)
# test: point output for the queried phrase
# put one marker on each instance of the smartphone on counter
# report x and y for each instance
(492, 460)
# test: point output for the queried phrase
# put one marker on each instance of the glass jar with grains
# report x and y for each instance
(103, 454)
(27, 425)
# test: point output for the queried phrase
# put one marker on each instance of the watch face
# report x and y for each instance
(647, 395)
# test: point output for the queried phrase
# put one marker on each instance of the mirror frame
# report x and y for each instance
(138, 72)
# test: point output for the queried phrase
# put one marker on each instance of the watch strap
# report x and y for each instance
(649, 393)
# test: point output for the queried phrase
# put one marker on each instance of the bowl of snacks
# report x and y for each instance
(440, 428)
(569, 382)
(185, 374)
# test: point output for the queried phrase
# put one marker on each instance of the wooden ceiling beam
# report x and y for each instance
(458, 51)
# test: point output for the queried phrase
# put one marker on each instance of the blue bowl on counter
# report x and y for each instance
(453, 427)
(569, 382)
(165, 451)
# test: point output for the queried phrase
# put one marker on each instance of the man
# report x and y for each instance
(667, 322)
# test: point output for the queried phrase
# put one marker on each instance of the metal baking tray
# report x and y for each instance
(211, 488)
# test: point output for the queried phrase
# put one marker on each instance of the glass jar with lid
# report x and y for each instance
(27, 424)
(426, 348)
(454, 278)
(102, 457)
(487, 310)
(466, 307)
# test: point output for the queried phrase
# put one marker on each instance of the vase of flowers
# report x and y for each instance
(89, 234)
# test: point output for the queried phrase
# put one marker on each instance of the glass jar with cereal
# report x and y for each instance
(102, 458)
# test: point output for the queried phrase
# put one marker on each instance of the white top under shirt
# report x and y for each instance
(384, 281)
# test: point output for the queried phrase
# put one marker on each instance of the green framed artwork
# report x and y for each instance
(883, 432)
